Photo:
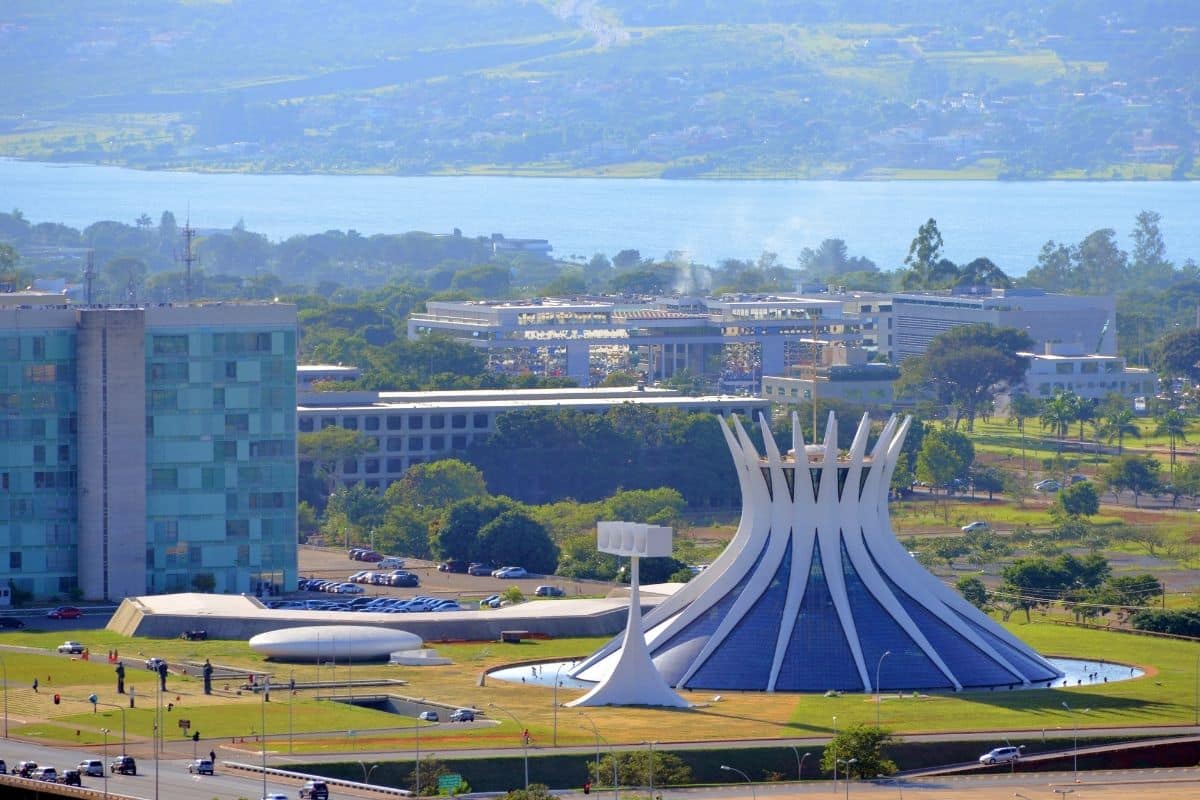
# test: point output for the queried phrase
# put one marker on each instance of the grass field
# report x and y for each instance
(1164, 697)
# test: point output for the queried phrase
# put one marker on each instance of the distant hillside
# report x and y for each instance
(807, 88)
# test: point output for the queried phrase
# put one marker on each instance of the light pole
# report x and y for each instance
(651, 768)
(524, 739)
(4, 666)
(1195, 711)
(727, 768)
(835, 758)
(847, 764)
(1075, 746)
(120, 708)
(291, 697)
(878, 696)
(366, 772)
(262, 702)
(105, 765)
(554, 738)
(596, 731)
(157, 731)
(800, 763)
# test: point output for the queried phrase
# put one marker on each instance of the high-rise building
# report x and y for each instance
(147, 449)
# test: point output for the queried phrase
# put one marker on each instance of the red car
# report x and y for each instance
(370, 556)
(65, 612)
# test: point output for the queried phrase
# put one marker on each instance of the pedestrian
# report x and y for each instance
(132, 696)
(35, 685)
(212, 756)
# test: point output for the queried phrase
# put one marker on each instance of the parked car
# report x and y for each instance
(391, 562)
(314, 790)
(123, 765)
(11, 622)
(510, 572)
(47, 774)
(64, 612)
(491, 601)
(356, 553)
(428, 716)
(71, 777)
(978, 526)
(371, 557)
(479, 569)
(349, 588)
(71, 647)
(463, 715)
(92, 767)
(453, 565)
(548, 591)
(403, 579)
(1047, 486)
(1000, 755)
(201, 766)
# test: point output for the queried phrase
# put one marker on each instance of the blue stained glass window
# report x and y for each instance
(1033, 670)
(818, 656)
(674, 656)
(878, 631)
(970, 665)
(743, 660)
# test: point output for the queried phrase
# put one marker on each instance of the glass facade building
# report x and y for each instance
(148, 450)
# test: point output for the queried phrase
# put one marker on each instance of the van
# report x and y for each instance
(1000, 755)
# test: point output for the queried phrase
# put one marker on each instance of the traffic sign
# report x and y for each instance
(449, 782)
(185, 723)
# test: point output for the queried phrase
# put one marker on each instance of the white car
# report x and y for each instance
(1001, 755)
(349, 588)
(977, 526)
(391, 562)
(510, 572)
(71, 647)
(276, 796)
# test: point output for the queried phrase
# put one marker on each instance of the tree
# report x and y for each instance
(635, 768)
(1102, 267)
(204, 582)
(1079, 500)
(1058, 413)
(1177, 355)
(403, 531)
(457, 536)
(1173, 424)
(968, 365)
(864, 745)
(437, 485)
(1150, 265)
(516, 538)
(1137, 474)
(923, 254)
(973, 591)
(1117, 422)
(1020, 408)
(936, 463)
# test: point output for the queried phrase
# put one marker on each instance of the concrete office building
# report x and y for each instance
(1087, 323)
(1091, 376)
(141, 447)
(407, 428)
(733, 342)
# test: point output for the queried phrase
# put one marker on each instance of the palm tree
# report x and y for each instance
(1058, 413)
(1117, 423)
(1173, 425)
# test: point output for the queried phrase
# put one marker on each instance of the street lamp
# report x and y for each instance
(291, 697)
(847, 763)
(835, 758)
(105, 770)
(1075, 747)
(158, 732)
(554, 739)
(727, 768)
(800, 763)
(596, 731)
(120, 708)
(366, 772)
(524, 739)
(651, 767)
(878, 696)
(263, 706)
(4, 666)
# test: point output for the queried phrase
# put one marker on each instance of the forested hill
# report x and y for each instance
(808, 88)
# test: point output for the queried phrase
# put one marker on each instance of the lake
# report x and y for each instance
(709, 220)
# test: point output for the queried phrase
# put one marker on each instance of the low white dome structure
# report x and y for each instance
(336, 642)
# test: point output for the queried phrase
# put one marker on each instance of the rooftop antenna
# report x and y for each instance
(188, 258)
(89, 274)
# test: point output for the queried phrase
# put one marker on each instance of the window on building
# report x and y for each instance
(372, 466)
(437, 421)
(1064, 368)
(371, 423)
(395, 465)
(306, 424)
(437, 443)
(237, 423)
(458, 421)
(395, 422)
(350, 423)
(38, 346)
(395, 444)
(350, 466)
(480, 421)
(14, 559)
(416, 423)
(169, 345)
(39, 454)
(231, 370)
(416, 443)
(459, 442)
(328, 422)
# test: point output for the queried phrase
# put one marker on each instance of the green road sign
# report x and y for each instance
(449, 782)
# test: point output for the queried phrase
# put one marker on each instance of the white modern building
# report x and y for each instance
(1091, 376)
(815, 593)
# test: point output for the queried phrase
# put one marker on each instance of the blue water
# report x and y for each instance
(708, 220)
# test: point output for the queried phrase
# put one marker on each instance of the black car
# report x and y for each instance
(3, 767)
(71, 777)
(123, 765)
(25, 768)
(479, 569)
(11, 622)
(403, 579)
(453, 565)
(314, 790)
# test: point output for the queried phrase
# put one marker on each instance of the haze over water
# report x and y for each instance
(1007, 222)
